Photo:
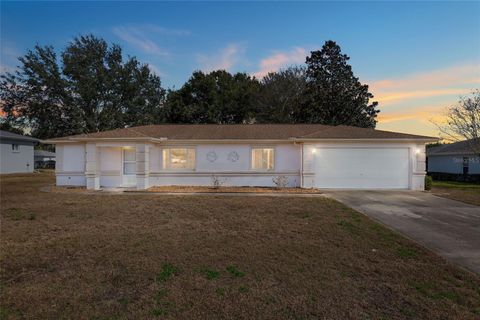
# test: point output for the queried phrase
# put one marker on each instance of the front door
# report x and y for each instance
(129, 176)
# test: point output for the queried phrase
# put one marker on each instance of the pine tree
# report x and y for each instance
(333, 95)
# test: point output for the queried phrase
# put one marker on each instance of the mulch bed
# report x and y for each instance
(198, 189)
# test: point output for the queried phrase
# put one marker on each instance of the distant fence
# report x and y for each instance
(442, 176)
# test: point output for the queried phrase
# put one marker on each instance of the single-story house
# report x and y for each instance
(455, 161)
(44, 158)
(302, 155)
(16, 153)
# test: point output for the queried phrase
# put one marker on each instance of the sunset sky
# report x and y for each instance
(417, 57)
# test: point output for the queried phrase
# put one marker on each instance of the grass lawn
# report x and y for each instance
(135, 256)
(461, 191)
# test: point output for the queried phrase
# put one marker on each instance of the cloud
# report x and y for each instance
(227, 58)
(138, 37)
(413, 102)
(279, 60)
(456, 80)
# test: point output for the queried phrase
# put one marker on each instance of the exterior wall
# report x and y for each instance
(100, 165)
(110, 166)
(453, 164)
(16, 161)
(416, 160)
(229, 170)
(70, 165)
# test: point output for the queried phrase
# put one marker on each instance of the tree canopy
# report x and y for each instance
(90, 86)
(215, 97)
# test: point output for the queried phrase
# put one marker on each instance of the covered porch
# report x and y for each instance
(115, 164)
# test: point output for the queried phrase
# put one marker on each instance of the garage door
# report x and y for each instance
(362, 168)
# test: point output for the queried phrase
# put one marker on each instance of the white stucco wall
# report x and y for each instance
(223, 163)
(453, 164)
(230, 163)
(70, 165)
(16, 161)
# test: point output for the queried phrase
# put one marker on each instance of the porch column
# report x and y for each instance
(92, 166)
(143, 166)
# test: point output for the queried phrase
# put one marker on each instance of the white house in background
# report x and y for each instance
(16, 153)
(459, 158)
(306, 155)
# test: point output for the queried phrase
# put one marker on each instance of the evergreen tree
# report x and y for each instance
(333, 95)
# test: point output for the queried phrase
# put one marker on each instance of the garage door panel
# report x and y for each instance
(362, 168)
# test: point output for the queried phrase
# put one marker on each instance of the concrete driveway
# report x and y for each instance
(448, 227)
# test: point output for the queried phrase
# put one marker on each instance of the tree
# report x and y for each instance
(91, 89)
(215, 97)
(281, 95)
(36, 96)
(462, 121)
(333, 95)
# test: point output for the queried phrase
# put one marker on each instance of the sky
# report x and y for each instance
(417, 57)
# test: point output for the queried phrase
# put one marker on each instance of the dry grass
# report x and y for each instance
(98, 256)
(225, 189)
(465, 192)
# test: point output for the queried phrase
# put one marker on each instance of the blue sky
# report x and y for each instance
(418, 57)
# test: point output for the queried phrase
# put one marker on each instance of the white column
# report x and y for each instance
(92, 166)
(143, 166)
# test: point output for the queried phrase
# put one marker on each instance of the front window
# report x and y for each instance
(263, 158)
(179, 158)
(129, 161)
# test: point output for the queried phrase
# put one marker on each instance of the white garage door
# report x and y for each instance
(362, 168)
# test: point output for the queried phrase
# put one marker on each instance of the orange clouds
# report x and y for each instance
(411, 103)
(455, 80)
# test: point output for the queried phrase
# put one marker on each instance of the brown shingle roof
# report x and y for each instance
(247, 132)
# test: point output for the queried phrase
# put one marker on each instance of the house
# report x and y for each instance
(455, 161)
(44, 159)
(305, 155)
(16, 153)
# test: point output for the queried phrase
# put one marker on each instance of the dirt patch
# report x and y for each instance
(75, 256)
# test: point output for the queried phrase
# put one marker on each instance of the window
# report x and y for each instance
(179, 158)
(129, 161)
(465, 165)
(15, 147)
(263, 158)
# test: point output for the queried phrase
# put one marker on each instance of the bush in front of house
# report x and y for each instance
(428, 182)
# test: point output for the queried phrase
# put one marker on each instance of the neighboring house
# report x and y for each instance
(308, 155)
(455, 161)
(16, 153)
(44, 159)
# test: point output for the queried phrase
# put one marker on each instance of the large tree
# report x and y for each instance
(333, 95)
(281, 95)
(215, 97)
(462, 121)
(92, 88)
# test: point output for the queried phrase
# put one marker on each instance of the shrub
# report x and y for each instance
(428, 183)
